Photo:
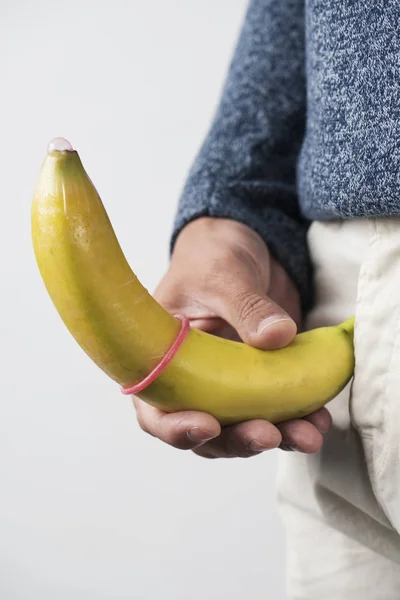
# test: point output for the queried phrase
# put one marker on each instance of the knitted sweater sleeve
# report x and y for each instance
(246, 167)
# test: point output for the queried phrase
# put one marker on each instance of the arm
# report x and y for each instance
(246, 167)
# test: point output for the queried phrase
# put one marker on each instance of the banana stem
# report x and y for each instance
(348, 327)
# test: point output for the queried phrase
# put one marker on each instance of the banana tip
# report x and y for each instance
(59, 144)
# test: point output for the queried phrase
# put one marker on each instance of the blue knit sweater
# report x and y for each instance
(308, 125)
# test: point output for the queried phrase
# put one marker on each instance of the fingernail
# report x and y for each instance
(255, 446)
(199, 436)
(288, 448)
(271, 320)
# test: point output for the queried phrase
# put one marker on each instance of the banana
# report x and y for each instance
(126, 332)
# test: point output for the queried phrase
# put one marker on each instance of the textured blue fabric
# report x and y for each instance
(307, 126)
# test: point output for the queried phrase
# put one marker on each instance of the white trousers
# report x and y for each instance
(341, 506)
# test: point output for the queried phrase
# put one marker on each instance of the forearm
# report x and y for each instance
(246, 168)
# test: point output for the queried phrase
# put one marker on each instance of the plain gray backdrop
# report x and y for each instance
(91, 507)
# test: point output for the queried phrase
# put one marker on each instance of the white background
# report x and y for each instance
(90, 506)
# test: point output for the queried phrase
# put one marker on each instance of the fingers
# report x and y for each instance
(202, 433)
(300, 435)
(244, 440)
(257, 319)
(321, 419)
(184, 430)
(251, 438)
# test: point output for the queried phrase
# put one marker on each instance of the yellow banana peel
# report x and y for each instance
(126, 332)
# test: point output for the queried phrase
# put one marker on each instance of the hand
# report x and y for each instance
(223, 278)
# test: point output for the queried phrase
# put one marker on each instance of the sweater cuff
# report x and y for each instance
(285, 237)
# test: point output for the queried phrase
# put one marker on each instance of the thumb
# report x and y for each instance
(259, 321)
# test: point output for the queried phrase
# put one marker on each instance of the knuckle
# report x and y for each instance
(249, 303)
